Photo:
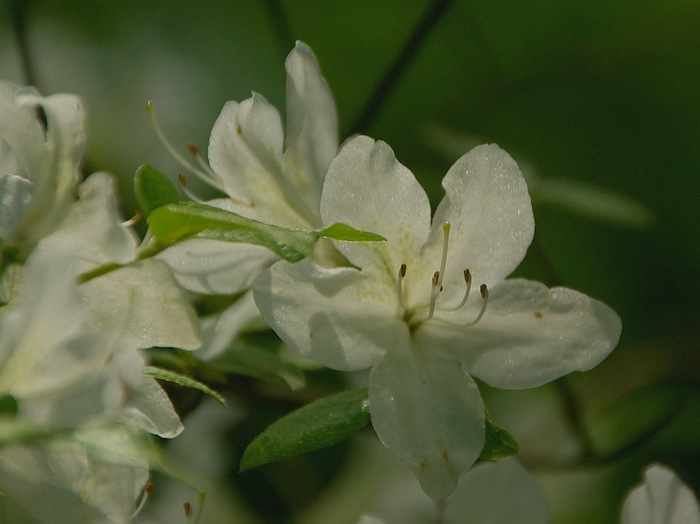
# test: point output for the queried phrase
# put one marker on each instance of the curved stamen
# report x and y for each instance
(178, 158)
(147, 490)
(434, 290)
(468, 282)
(399, 285)
(443, 260)
(484, 290)
(182, 179)
(206, 168)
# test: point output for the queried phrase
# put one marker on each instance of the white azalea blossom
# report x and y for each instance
(267, 175)
(662, 498)
(41, 143)
(405, 309)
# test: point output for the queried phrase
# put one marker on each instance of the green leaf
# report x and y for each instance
(319, 424)
(499, 443)
(347, 233)
(153, 189)
(182, 380)
(175, 222)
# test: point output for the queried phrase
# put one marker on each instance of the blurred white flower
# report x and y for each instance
(41, 143)
(661, 499)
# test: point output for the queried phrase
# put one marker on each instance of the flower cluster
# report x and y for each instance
(427, 310)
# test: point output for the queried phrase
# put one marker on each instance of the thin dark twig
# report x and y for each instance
(409, 51)
(18, 16)
(283, 31)
(573, 416)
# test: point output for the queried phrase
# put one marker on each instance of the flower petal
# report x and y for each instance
(142, 306)
(428, 411)
(215, 267)
(333, 316)
(488, 207)
(312, 124)
(500, 492)
(367, 188)
(662, 499)
(245, 151)
(531, 335)
(218, 332)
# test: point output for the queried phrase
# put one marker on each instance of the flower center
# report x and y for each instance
(411, 315)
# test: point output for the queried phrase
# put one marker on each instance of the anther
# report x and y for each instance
(484, 291)
(435, 288)
(133, 220)
(201, 162)
(399, 285)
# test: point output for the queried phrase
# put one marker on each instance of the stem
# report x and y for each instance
(283, 31)
(407, 54)
(18, 16)
(573, 416)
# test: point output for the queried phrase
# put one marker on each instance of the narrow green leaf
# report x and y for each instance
(182, 380)
(319, 424)
(499, 443)
(8, 406)
(153, 189)
(175, 222)
(348, 233)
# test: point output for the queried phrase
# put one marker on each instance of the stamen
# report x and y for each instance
(180, 160)
(484, 290)
(133, 220)
(433, 294)
(182, 179)
(147, 490)
(443, 260)
(200, 160)
(399, 286)
(468, 282)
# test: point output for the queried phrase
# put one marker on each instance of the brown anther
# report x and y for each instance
(182, 179)
(484, 290)
(436, 277)
(150, 486)
(193, 148)
(187, 507)
(239, 130)
(402, 270)
(467, 276)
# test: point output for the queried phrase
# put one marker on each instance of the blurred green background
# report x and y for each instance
(601, 97)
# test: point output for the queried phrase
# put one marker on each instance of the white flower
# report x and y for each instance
(268, 176)
(41, 142)
(661, 499)
(406, 310)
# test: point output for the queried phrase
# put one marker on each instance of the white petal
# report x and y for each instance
(214, 267)
(333, 316)
(488, 207)
(150, 407)
(142, 306)
(92, 229)
(500, 492)
(662, 499)
(245, 151)
(428, 411)
(219, 332)
(15, 197)
(312, 123)
(367, 188)
(531, 335)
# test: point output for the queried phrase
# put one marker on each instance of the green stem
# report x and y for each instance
(572, 412)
